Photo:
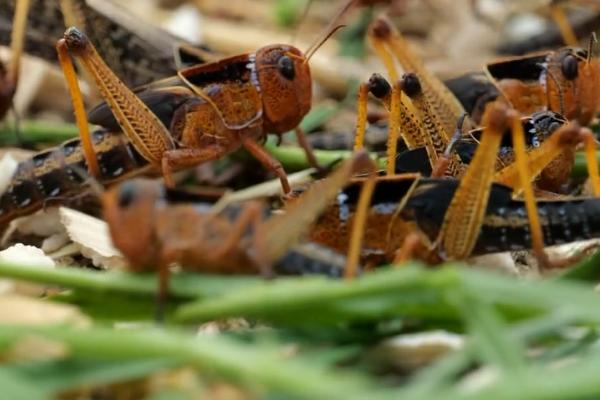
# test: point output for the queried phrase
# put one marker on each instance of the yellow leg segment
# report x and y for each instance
(394, 128)
(445, 104)
(17, 39)
(465, 214)
(538, 159)
(78, 108)
(361, 117)
(592, 163)
(566, 30)
(535, 228)
(141, 126)
(358, 227)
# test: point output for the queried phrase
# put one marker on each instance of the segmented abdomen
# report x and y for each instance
(507, 228)
(60, 172)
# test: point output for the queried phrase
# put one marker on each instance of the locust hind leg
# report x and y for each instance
(561, 141)
(387, 40)
(436, 138)
(141, 126)
(535, 228)
(79, 109)
(361, 116)
(523, 162)
(413, 246)
(358, 227)
(463, 219)
(402, 122)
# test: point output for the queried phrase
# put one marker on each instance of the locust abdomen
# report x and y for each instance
(60, 172)
(563, 221)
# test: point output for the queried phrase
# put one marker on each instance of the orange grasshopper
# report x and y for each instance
(210, 109)
(425, 113)
(566, 81)
(438, 219)
(269, 90)
(153, 235)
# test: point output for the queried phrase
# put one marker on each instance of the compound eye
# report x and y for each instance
(286, 67)
(569, 67)
(126, 194)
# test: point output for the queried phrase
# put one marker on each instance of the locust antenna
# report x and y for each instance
(593, 40)
(313, 49)
(331, 28)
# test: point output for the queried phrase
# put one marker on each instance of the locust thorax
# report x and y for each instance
(129, 210)
(286, 86)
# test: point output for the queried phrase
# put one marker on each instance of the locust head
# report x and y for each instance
(283, 74)
(129, 210)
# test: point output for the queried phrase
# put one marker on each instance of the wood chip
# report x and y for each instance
(411, 351)
(92, 236)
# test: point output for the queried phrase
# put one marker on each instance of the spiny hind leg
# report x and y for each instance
(361, 116)
(522, 162)
(402, 122)
(463, 219)
(563, 141)
(358, 227)
(381, 90)
(387, 41)
(535, 228)
(141, 126)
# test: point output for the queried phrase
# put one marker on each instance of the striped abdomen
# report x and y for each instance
(563, 221)
(59, 172)
(505, 226)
